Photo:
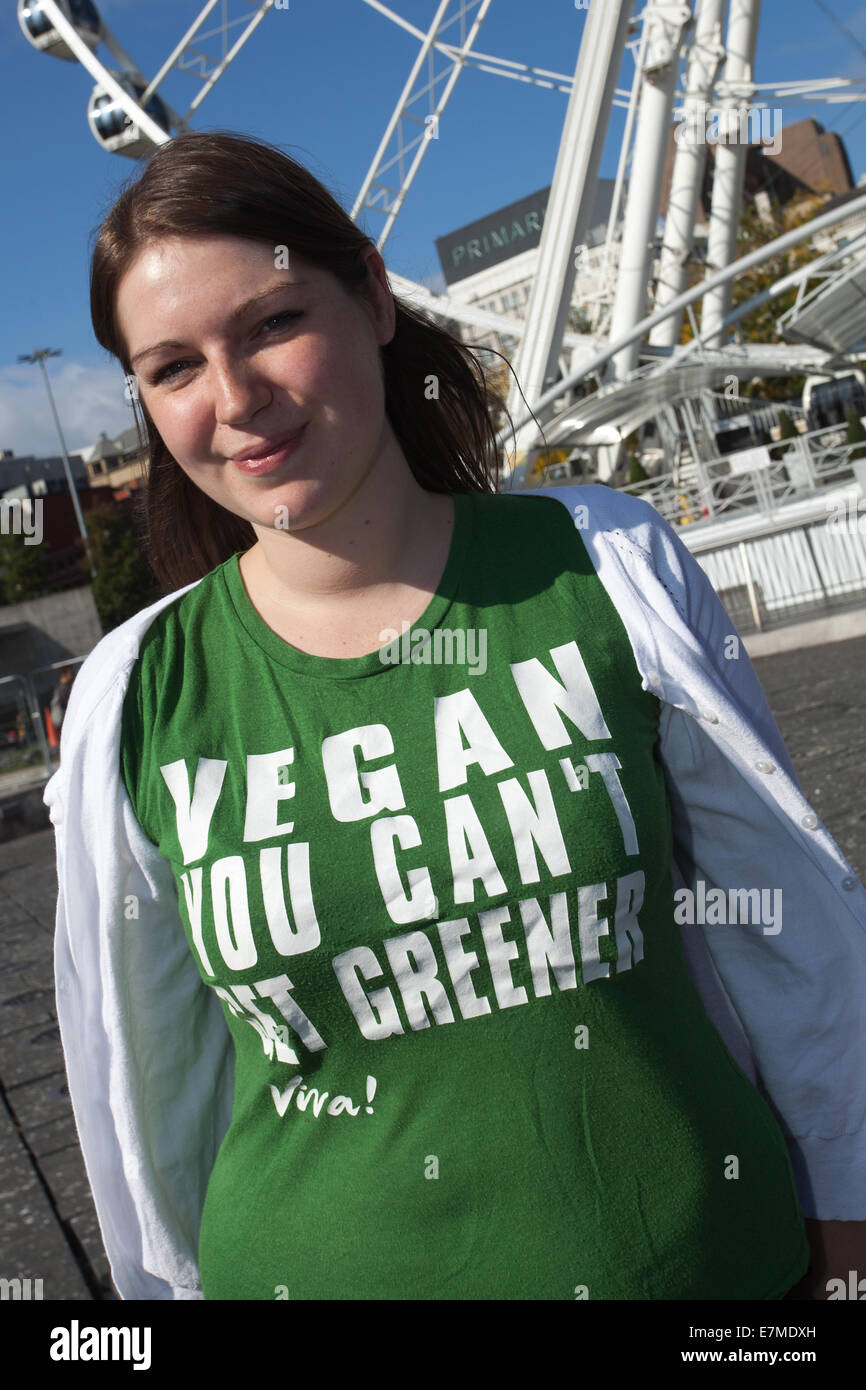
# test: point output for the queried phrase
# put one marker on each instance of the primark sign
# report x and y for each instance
(510, 230)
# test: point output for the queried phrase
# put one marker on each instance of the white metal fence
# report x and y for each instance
(784, 539)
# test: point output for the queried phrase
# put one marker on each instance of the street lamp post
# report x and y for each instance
(39, 356)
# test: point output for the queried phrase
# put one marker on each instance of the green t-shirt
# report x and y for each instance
(431, 887)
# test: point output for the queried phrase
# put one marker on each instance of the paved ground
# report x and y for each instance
(48, 1227)
(818, 698)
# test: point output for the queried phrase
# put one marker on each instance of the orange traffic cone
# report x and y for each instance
(53, 736)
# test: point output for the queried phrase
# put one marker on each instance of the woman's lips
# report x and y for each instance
(273, 460)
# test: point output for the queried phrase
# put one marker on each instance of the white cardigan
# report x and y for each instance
(149, 1056)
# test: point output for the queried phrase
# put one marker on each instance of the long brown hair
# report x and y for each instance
(218, 182)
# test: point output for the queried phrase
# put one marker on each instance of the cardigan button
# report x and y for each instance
(809, 822)
(710, 717)
(765, 767)
(849, 884)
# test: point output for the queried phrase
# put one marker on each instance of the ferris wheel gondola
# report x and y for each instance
(113, 128)
(126, 113)
(39, 30)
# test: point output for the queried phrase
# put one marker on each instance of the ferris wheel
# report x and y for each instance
(128, 115)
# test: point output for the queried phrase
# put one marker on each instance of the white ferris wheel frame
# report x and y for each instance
(374, 193)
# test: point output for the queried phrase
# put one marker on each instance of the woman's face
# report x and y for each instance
(234, 374)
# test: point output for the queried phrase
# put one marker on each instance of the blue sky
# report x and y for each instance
(320, 78)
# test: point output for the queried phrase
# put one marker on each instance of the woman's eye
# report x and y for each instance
(168, 372)
(280, 318)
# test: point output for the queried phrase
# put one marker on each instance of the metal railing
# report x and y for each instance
(709, 491)
(26, 738)
(785, 561)
(801, 571)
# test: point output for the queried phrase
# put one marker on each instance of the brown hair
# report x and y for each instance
(220, 183)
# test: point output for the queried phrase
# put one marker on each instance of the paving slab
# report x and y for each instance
(818, 699)
(65, 1174)
(55, 1136)
(29, 1053)
(32, 1241)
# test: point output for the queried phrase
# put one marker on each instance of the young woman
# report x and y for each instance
(400, 842)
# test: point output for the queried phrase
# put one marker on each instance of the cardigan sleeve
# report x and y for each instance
(797, 983)
(148, 1054)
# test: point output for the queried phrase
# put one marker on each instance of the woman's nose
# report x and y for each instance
(240, 392)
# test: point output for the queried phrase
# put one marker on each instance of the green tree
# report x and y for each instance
(579, 321)
(856, 433)
(787, 428)
(636, 471)
(760, 325)
(787, 431)
(23, 571)
(124, 583)
(755, 231)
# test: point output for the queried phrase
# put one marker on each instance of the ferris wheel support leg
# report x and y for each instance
(668, 21)
(706, 55)
(570, 204)
(736, 92)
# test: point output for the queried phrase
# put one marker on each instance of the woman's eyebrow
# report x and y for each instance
(236, 313)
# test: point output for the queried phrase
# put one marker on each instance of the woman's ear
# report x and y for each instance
(377, 291)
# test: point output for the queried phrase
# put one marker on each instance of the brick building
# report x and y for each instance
(810, 159)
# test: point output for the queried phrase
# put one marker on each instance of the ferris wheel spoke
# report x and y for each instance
(374, 190)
